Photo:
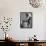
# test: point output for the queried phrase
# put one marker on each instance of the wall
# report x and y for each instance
(12, 8)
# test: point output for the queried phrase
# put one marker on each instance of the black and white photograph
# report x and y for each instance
(25, 19)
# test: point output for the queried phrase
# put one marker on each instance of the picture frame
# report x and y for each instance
(26, 19)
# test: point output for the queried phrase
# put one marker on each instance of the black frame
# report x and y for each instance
(26, 14)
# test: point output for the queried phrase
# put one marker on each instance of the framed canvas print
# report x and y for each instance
(26, 19)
